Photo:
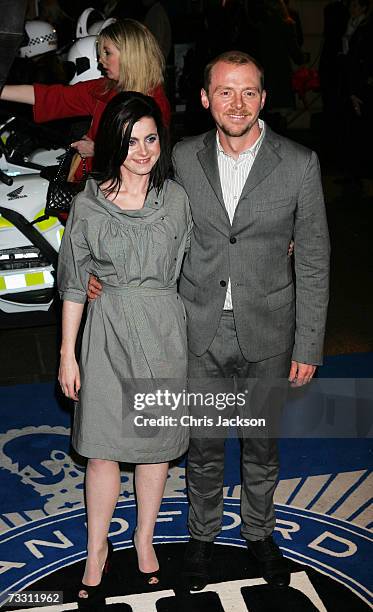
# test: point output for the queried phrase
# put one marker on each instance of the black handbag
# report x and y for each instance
(61, 192)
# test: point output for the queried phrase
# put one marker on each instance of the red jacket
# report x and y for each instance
(82, 99)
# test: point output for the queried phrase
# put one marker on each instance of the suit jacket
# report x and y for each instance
(282, 199)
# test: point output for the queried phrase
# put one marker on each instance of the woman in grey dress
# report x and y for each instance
(130, 227)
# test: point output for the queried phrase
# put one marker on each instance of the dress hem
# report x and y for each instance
(98, 451)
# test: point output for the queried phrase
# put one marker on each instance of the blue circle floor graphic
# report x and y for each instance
(323, 508)
(48, 555)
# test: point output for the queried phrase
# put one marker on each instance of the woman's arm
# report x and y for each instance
(72, 277)
(18, 93)
(161, 99)
(63, 101)
(68, 375)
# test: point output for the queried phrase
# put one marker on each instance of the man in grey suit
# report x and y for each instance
(251, 192)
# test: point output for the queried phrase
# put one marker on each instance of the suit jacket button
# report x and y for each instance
(233, 240)
(223, 284)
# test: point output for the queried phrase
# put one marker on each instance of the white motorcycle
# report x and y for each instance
(29, 242)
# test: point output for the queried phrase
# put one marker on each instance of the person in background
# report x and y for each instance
(276, 47)
(331, 71)
(131, 227)
(358, 10)
(293, 13)
(37, 60)
(359, 94)
(152, 13)
(132, 61)
(157, 20)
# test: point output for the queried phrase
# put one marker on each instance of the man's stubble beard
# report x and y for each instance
(234, 134)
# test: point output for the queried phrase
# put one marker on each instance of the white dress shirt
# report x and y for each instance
(233, 175)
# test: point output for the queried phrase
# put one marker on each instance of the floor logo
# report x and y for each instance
(41, 545)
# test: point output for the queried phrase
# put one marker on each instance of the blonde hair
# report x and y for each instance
(141, 62)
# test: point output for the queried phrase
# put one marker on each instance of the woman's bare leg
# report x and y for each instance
(102, 492)
(150, 480)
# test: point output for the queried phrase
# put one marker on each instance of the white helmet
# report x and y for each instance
(42, 38)
(91, 22)
(83, 55)
(96, 28)
(86, 21)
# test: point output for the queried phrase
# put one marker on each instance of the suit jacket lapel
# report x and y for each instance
(268, 157)
(208, 159)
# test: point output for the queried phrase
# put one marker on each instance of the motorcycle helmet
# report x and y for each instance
(82, 57)
(41, 37)
(91, 22)
(86, 21)
(95, 28)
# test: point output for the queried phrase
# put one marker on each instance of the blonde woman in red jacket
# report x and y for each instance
(132, 61)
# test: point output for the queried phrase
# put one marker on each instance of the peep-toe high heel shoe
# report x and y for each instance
(96, 594)
(150, 579)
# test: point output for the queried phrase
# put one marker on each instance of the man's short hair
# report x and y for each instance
(232, 57)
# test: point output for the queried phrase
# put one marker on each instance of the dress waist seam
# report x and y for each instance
(134, 290)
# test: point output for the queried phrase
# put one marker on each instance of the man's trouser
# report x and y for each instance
(259, 456)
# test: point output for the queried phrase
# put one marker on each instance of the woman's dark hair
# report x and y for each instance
(113, 136)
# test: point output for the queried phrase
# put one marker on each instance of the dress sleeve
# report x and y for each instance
(74, 258)
(60, 101)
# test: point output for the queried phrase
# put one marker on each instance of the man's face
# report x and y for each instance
(235, 97)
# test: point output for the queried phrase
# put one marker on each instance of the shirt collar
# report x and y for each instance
(253, 150)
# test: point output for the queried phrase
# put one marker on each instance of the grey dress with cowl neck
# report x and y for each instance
(134, 340)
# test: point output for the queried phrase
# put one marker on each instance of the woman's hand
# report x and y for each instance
(69, 377)
(85, 147)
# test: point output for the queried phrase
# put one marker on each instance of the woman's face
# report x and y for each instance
(144, 148)
(109, 59)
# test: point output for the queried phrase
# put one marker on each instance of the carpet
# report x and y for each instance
(323, 506)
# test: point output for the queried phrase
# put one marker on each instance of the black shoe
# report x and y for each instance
(197, 561)
(273, 565)
(150, 579)
(96, 594)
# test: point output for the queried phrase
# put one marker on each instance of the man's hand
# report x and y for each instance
(94, 289)
(301, 373)
(85, 147)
